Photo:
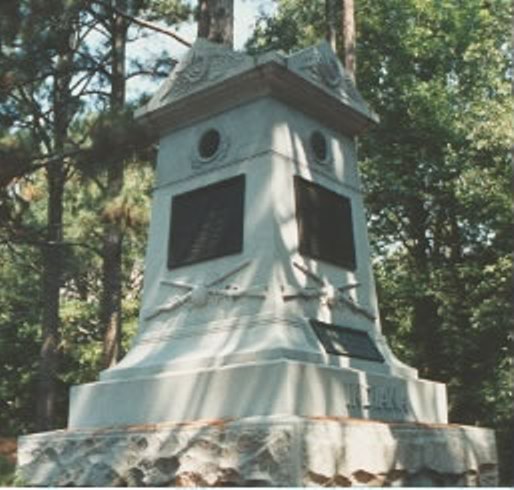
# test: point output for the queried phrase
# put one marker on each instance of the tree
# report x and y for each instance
(116, 19)
(51, 71)
(345, 10)
(437, 179)
(349, 39)
(41, 56)
(216, 21)
(110, 313)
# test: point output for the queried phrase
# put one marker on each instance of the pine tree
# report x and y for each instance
(216, 21)
(40, 54)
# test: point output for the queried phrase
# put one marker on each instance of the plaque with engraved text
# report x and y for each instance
(207, 223)
(325, 226)
(345, 341)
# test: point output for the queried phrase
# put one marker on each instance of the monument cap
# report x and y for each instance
(212, 78)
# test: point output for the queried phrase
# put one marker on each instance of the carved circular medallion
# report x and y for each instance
(330, 295)
(329, 71)
(209, 144)
(319, 146)
(197, 70)
(199, 296)
(319, 149)
(212, 147)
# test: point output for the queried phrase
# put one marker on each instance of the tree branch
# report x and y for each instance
(45, 243)
(28, 166)
(10, 246)
(35, 109)
(144, 23)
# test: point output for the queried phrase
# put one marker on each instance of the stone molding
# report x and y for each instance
(169, 331)
(325, 164)
(258, 387)
(317, 169)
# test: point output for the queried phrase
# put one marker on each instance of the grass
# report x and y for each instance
(7, 472)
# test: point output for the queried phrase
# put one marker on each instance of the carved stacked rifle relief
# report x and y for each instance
(259, 308)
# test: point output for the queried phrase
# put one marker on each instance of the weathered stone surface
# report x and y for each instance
(257, 193)
(379, 454)
(265, 451)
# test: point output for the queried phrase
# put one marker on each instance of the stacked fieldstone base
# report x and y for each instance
(271, 451)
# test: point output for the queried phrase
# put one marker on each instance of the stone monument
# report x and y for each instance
(259, 358)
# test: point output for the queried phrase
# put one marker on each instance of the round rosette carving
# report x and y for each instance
(211, 147)
(192, 74)
(197, 70)
(328, 70)
(318, 149)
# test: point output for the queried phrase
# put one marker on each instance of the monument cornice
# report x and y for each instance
(269, 79)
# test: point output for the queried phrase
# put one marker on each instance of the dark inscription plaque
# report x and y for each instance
(325, 226)
(207, 223)
(344, 341)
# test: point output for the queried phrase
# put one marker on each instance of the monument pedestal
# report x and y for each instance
(263, 451)
(256, 388)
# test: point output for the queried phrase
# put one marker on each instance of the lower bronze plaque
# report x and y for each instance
(207, 223)
(344, 341)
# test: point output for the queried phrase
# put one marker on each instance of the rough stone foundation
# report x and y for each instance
(271, 451)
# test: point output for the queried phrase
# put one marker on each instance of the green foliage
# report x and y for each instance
(34, 101)
(171, 11)
(81, 334)
(436, 175)
(19, 336)
(297, 23)
(111, 137)
(7, 473)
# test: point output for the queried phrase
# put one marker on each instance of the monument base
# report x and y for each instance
(262, 451)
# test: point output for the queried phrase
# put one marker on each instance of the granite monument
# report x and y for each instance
(259, 358)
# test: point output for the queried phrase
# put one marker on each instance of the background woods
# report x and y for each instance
(76, 174)
(74, 194)
(436, 175)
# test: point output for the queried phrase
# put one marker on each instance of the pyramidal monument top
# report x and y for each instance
(236, 77)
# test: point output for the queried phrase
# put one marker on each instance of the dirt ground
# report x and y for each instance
(8, 449)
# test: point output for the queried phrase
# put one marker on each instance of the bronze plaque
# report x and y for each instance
(325, 226)
(344, 341)
(207, 223)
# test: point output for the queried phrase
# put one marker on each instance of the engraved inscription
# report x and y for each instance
(325, 226)
(207, 223)
(346, 341)
(376, 397)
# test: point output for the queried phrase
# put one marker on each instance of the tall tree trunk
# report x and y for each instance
(52, 250)
(425, 317)
(47, 375)
(111, 310)
(216, 21)
(349, 37)
(331, 21)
